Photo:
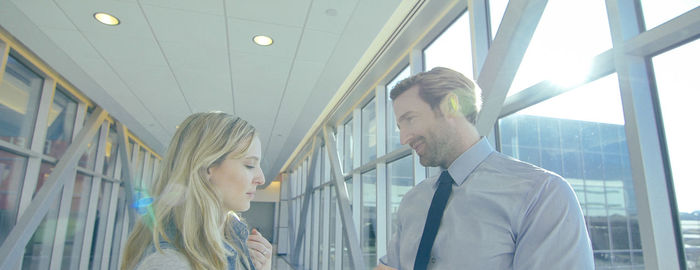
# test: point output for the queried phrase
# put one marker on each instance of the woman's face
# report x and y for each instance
(237, 179)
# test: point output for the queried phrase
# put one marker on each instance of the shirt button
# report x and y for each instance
(433, 260)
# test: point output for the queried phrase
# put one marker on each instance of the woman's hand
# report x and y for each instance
(260, 250)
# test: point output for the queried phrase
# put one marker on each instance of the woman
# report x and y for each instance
(211, 171)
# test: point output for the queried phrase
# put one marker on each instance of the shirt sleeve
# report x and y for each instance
(552, 234)
(391, 258)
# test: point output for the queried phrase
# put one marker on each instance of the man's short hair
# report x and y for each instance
(435, 84)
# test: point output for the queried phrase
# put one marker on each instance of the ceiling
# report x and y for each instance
(170, 58)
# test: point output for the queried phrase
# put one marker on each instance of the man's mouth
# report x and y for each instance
(418, 145)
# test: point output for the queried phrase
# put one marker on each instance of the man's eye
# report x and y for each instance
(250, 166)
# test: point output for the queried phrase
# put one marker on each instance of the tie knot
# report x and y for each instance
(445, 178)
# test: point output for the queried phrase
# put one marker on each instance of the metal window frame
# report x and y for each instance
(350, 229)
(12, 248)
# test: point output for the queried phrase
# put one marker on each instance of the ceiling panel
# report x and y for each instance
(45, 14)
(173, 25)
(331, 15)
(303, 77)
(290, 13)
(156, 87)
(316, 46)
(132, 22)
(106, 77)
(73, 43)
(215, 7)
(206, 89)
(258, 85)
(138, 51)
(241, 35)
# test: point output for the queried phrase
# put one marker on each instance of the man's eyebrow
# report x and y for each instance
(253, 158)
(403, 116)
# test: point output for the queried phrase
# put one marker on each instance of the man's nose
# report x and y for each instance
(404, 136)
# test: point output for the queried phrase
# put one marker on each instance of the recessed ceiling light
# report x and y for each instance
(106, 18)
(262, 40)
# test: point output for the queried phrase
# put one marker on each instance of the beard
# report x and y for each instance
(437, 148)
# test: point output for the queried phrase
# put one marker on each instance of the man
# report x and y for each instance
(486, 210)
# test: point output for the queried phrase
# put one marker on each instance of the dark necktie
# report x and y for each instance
(432, 222)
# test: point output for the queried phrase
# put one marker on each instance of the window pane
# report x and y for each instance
(348, 147)
(61, 120)
(87, 160)
(658, 12)
(400, 175)
(37, 252)
(676, 81)
(98, 237)
(393, 141)
(44, 171)
(589, 149)
(76, 222)
(496, 9)
(369, 132)
(331, 239)
(112, 146)
(369, 218)
(452, 49)
(118, 231)
(19, 102)
(12, 169)
(568, 35)
(322, 221)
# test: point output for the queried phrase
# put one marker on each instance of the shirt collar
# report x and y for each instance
(463, 166)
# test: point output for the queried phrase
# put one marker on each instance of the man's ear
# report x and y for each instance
(450, 105)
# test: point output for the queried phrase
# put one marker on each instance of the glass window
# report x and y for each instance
(400, 175)
(331, 237)
(99, 232)
(138, 170)
(20, 90)
(44, 171)
(676, 82)
(589, 149)
(37, 252)
(118, 231)
(659, 12)
(76, 222)
(326, 165)
(393, 140)
(568, 35)
(346, 255)
(496, 8)
(369, 132)
(112, 148)
(453, 48)
(87, 160)
(369, 218)
(347, 145)
(61, 121)
(322, 221)
(12, 169)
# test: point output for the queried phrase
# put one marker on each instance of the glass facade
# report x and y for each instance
(40, 117)
(567, 110)
(675, 81)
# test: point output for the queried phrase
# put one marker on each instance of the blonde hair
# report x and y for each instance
(187, 211)
(436, 84)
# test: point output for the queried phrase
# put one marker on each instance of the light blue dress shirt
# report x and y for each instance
(502, 214)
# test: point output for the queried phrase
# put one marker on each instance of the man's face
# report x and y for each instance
(421, 128)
